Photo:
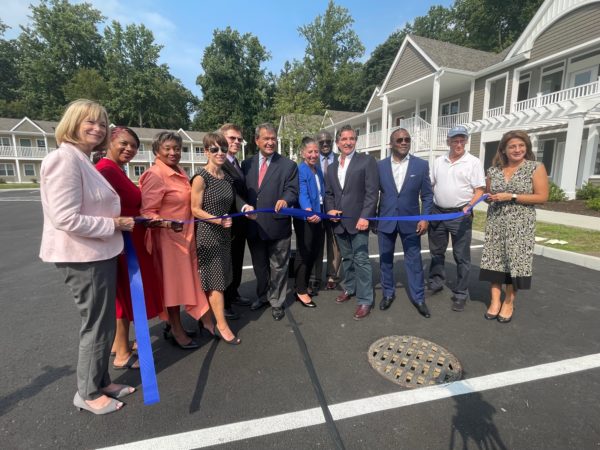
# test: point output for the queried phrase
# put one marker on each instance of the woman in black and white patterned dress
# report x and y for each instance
(515, 183)
(212, 196)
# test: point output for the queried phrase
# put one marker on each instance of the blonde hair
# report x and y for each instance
(77, 111)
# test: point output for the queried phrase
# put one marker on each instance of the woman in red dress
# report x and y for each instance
(124, 145)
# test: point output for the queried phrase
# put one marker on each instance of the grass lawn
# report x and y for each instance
(578, 240)
(19, 186)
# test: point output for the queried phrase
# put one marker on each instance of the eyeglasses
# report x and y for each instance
(325, 142)
(233, 138)
(216, 149)
(400, 140)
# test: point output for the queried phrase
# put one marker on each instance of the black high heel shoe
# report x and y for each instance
(310, 304)
(210, 333)
(233, 341)
(168, 335)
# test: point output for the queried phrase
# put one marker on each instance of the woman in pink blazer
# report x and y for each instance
(82, 237)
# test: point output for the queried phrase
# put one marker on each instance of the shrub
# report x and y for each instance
(2, 181)
(556, 193)
(593, 203)
(587, 192)
(34, 180)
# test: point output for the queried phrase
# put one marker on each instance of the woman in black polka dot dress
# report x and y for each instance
(212, 196)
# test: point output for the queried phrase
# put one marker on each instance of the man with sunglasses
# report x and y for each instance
(403, 182)
(233, 134)
(458, 182)
(334, 260)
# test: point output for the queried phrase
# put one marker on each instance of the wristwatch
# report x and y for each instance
(514, 198)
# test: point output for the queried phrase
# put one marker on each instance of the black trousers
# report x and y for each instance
(238, 246)
(309, 239)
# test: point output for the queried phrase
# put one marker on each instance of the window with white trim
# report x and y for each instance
(41, 143)
(524, 82)
(7, 170)
(552, 77)
(138, 171)
(422, 114)
(29, 170)
(398, 120)
(5, 141)
(373, 127)
(141, 148)
(357, 131)
(25, 142)
(450, 108)
(545, 154)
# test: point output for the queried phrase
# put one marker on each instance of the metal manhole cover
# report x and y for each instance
(413, 362)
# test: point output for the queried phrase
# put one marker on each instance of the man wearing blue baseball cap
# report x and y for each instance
(458, 181)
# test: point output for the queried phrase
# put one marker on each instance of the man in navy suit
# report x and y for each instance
(233, 134)
(271, 182)
(351, 190)
(403, 181)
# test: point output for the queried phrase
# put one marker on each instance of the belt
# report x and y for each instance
(449, 210)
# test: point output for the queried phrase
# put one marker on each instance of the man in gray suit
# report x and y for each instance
(271, 182)
(352, 188)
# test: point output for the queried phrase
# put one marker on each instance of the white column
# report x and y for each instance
(416, 131)
(278, 144)
(570, 161)
(384, 127)
(335, 148)
(368, 136)
(591, 152)
(435, 103)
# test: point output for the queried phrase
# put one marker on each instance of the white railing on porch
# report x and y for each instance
(453, 120)
(495, 112)
(584, 90)
(24, 152)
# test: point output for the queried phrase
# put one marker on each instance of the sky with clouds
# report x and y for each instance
(185, 27)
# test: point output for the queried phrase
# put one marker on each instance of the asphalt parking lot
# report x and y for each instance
(305, 382)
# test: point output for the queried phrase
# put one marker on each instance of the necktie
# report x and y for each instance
(325, 165)
(262, 171)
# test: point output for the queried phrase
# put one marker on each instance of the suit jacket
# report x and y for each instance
(309, 192)
(280, 182)
(359, 196)
(416, 186)
(79, 206)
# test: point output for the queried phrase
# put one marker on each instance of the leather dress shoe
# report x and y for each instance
(458, 304)
(343, 297)
(423, 310)
(242, 301)
(257, 304)
(362, 311)
(310, 304)
(278, 312)
(312, 291)
(331, 285)
(386, 302)
(231, 314)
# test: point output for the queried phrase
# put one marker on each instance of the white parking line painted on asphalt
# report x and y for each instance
(314, 416)
(395, 254)
(19, 199)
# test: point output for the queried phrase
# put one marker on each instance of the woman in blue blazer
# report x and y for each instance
(309, 231)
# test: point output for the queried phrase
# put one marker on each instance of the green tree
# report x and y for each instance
(141, 92)
(87, 83)
(234, 86)
(332, 52)
(62, 39)
(10, 105)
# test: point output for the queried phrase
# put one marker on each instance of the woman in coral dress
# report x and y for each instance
(166, 195)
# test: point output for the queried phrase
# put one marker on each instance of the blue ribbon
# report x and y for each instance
(140, 320)
(302, 214)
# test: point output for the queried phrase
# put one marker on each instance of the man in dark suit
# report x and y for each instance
(403, 181)
(271, 182)
(231, 167)
(334, 260)
(352, 188)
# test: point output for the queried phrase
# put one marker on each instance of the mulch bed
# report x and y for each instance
(570, 206)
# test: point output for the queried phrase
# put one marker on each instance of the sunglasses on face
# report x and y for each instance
(400, 140)
(217, 149)
(325, 142)
(233, 138)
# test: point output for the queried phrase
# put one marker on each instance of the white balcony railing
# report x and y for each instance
(453, 120)
(24, 152)
(585, 90)
(494, 112)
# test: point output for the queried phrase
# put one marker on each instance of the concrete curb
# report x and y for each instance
(587, 261)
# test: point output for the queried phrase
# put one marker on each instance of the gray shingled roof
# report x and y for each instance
(455, 56)
(340, 116)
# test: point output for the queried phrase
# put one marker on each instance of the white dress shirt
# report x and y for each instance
(399, 169)
(342, 170)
